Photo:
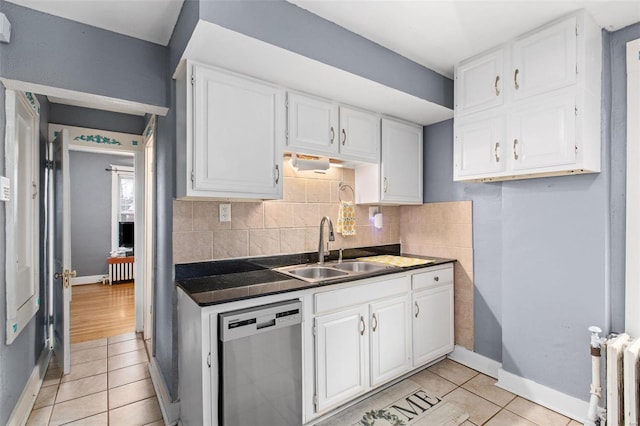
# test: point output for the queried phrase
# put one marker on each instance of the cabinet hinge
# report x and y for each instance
(315, 401)
(576, 147)
(209, 360)
(286, 102)
(576, 110)
(577, 32)
(286, 134)
(193, 80)
(315, 330)
(193, 176)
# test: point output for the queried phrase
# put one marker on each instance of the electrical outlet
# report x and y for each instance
(372, 211)
(225, 213)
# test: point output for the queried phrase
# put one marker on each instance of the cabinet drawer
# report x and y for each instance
(358, 294)
(432, 278)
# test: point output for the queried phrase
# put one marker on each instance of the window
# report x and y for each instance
(122, 202)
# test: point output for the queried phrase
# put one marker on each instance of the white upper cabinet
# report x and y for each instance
(312, 125)
(398, 178)
(231, 136)
(479, 146)
(359, 135)
(545, 60)
(548, 120)
(480, 83)
(321, 127)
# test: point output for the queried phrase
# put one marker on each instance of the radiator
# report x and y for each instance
(623, 396)
(121, 269)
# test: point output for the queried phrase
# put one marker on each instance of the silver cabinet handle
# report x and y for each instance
(495, 85)
(495, 152)
(277, 174)
(375, 323)
(515, 149)
(436, 278)
(386, 184)
(344, 137)
(417, 309)
(333, 135)
(363, 326)
(515, 78)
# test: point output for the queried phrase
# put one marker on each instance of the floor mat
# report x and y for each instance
(404, 404)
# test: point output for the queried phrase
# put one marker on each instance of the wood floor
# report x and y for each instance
(99, 311)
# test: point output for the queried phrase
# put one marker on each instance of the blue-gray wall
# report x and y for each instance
(91, 210)
(56, 52)
(548, 253)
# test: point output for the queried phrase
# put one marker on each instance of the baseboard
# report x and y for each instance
(476, 361)
(21, 411)
(543, 395)
(89, 279)
(170, 410)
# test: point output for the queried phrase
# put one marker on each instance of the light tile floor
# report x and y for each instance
(109, 384)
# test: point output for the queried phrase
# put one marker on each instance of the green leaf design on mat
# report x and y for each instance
(369, 418)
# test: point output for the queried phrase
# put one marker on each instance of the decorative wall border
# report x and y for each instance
(94, 138)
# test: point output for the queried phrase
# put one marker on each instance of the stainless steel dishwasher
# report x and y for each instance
(260, 352)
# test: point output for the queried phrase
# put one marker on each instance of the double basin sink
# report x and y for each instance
(332, 270)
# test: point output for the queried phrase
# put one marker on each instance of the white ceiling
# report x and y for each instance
(440, 33)
(150, 20)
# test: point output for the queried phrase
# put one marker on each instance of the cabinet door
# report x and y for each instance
(390, 339)
(359, 135)
(479, 83)
(545, 61)
(312, 125)
(543, 135)
(401, 162)
(341, 356)
(432, 324)
(478, 147)
(238, 135)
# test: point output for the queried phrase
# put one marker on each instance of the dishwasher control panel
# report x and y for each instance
(247, 322)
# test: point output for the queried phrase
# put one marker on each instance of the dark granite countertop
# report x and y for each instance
(210, 283)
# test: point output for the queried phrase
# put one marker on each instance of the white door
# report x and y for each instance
(390, 339)
(545, 61)
(479, 83)
(341, 362)
(61, 251)
(478, 147)
(543, 135)
(432, 323)
(359, 135)
(239, 135)
(312, 125)
(401, 162)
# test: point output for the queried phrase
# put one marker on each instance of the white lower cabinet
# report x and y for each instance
(341, 356)
(390, 339)
(432, 323)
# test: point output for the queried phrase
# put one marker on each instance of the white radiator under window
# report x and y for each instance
(623, 375)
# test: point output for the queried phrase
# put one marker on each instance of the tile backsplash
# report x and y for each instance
(290, 225)
(445, 230)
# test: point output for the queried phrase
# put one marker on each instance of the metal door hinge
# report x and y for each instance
(193, 80)
(48, 164)
(209, 360)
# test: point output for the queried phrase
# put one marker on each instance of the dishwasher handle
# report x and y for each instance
(261, 319)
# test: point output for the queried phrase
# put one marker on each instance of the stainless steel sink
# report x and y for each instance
(360, 266)
(316, 273)
(332, 270)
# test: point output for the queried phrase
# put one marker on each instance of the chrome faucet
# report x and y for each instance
(321, 253)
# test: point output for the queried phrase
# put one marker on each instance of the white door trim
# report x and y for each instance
(149, 224)
(632, 268)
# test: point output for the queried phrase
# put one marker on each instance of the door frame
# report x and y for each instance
(632, 266)
(133, 147)
(149, 228)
